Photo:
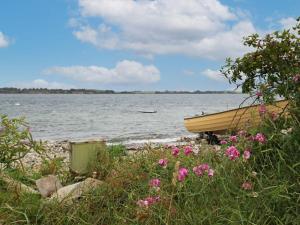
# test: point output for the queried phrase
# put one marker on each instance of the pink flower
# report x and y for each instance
(175, 151)
(296, 78)
(242, 133)
(204, 167)
(247, 185)
(260, 138)
(246, 154)
(143, 203)
(152, 200)
(262, 109)
(211, 172)
(163, 162)
(233, 138)
(258, 94)
(199, 170)
(188, 150)
(147, 201)
(223, 142)
(232, 152)
(154, 183)
(182, 173)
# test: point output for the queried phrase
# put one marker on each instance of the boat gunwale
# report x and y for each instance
(231, 110)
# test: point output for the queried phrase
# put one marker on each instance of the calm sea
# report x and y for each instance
(115, 118)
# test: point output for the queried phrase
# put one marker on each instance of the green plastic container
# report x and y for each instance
(82, 153)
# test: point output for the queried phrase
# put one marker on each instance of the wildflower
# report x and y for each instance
(211, 172)
(242, 133)
(260, 138)
(175, 151)
(163, 162)
(246, 155)
(233, 138)
(262, 109)
(188, 150)
(247, 185)
(296, 78)
(154, 183)
(204, 167)
(142, 203)
(147, 201)
(232, 153)
(152, 200)
(182, 173)
(258, 94)
(223, 142)
(199, 170)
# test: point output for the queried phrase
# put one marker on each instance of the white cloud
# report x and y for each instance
(191, 27)
(214, 75)
(288, 22)
(125, 72)
(4, 40)
(40, 83)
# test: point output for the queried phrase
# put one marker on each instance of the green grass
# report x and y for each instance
(197, 200)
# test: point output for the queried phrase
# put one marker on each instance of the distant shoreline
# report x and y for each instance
(93, 91)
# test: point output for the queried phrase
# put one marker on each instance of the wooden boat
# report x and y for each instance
(230, 120)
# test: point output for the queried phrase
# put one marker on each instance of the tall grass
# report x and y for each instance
(272, 199)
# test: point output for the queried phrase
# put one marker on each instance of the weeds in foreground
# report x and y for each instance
(251, 179)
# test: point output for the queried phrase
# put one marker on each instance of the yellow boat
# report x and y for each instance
(230, 120)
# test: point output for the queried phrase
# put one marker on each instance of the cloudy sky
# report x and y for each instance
(130, 44)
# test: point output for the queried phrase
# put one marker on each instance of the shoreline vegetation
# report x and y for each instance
(9, 90)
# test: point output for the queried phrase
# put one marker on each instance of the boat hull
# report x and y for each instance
(235, 119)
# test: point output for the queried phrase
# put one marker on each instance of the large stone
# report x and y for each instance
(16, 186)
(48, 185)
(75, 191)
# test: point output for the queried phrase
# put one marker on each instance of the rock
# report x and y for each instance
(16, 185)
(74, 191)
(48, 185)
(65, 146)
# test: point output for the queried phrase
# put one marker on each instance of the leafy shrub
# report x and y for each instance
(15, 140)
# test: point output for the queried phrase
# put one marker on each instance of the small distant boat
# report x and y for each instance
(147, 111)
(230, 120)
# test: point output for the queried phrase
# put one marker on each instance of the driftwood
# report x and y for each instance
(15, 185)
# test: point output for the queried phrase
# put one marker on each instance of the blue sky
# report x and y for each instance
(130, 45)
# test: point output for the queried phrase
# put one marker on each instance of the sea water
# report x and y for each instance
(113, 117)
